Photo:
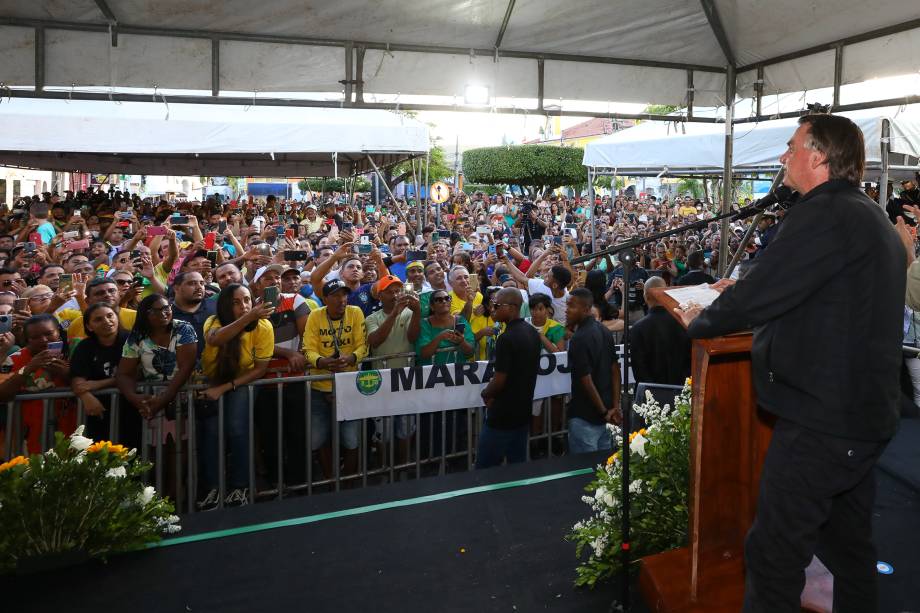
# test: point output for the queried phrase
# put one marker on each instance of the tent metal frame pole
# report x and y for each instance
(215, 67)
(885, 147)
(727, 174)
(591, 176)
(856, 106)
(427, 187)
(838, 75)
(390, 192)
(39, 59)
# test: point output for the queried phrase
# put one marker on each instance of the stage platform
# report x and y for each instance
(499, 548)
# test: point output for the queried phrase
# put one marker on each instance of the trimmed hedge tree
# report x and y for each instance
(536, 168)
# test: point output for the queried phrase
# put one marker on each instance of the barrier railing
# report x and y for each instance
(405, 444)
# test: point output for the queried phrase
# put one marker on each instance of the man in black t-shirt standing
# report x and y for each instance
(509, 395)
(595, 370)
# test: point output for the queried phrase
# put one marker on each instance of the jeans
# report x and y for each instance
(496, 444)
(236, 432)
(321, 423)
(585, 436)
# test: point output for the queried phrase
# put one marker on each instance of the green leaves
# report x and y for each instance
(538, 167)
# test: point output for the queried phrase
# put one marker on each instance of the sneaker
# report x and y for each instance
(237, 497)
(209, 502)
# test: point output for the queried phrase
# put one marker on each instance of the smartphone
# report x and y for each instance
(222, 226)
(69, 236)
(212, 257)
(136, 254)
(209, 239)
(123, 224)
(369, 208)
(460, 328)
(179, 220)
(156, 231)
(21, 304)
(557, 240)
(492, 249)
(270, 295)
(401, 228)
(347, 226)
(443, 233)
(6, 323)
(77, 213)
(74, 245)
(66, 282)
(296, 256)
(483, 230)
(123, 214)
(290, 233)
(279, 230)
(56, 347)
(412, 256)
(466, 246)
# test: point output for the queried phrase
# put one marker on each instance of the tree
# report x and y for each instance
(536, 168)
(438, 169)
(694, 187)
(659, 109)
(332, 185)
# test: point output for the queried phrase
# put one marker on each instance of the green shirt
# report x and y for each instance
(427, 334)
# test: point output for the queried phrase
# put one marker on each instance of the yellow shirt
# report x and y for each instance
(255, 346)
(686, 211)
(126, 319)
(457, 303)
(319, 340)
(67, 316)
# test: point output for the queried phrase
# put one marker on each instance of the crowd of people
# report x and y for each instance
(103, 290)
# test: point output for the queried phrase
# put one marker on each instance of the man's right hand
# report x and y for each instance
(722, 284)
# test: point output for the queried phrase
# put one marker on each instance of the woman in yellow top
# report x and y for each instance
(239, 342)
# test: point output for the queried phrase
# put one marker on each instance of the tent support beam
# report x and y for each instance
(320, 104)
(690, 94)
(858, 106)
(359, 75)
(501, 31)
(326, 42)
(727, 174)
(758, 89)
(832, 45)
(838, 75)
(349, 80)
(390, 192)
(715, 23)
(885, 148)
(540, 84)
(591, 204)
(215, 67)
(39, 59)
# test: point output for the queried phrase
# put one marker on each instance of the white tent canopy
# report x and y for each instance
(655, 147)
(655, 51)
(188, 139)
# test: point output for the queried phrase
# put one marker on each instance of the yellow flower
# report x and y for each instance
(102, 445)
(613, 458)
(14, 462)
(688, 382)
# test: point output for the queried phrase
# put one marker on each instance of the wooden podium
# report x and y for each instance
(729, 436)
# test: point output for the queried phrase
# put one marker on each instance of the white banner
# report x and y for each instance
(426, 389)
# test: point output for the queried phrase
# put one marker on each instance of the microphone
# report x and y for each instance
(778, 193)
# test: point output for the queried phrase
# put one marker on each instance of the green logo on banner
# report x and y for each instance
(368, 382)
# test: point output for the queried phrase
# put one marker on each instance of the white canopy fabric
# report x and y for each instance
(653, 147)
(438, 47)
(191, 139)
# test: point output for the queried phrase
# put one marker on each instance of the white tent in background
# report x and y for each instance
(189, 139)
(653, 148)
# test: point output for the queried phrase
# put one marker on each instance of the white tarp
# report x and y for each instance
(652, 147)
(301, 45)
(209, 140)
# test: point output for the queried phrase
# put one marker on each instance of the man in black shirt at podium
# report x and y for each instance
(826, 303)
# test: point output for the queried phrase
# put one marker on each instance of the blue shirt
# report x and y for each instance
(47, 232)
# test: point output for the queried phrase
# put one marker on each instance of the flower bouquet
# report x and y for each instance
(659, 466)
(80, 497)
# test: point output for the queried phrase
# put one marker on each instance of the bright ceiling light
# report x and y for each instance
(476, 95)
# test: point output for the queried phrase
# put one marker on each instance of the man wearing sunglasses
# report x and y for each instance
(509, 395)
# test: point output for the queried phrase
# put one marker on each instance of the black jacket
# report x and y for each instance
(660, 349)
(826, 303)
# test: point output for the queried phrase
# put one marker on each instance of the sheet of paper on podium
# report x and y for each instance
(693, 295)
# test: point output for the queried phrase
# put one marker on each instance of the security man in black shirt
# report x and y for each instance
(826, 361)
(509, 395)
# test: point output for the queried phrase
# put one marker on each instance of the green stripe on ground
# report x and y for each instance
(310, 519)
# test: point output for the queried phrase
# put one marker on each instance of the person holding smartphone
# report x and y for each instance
(39, 365)
(239, 341)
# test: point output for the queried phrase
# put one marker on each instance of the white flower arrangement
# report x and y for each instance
(659, 483)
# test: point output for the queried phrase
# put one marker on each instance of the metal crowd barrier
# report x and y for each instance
(448, 456)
